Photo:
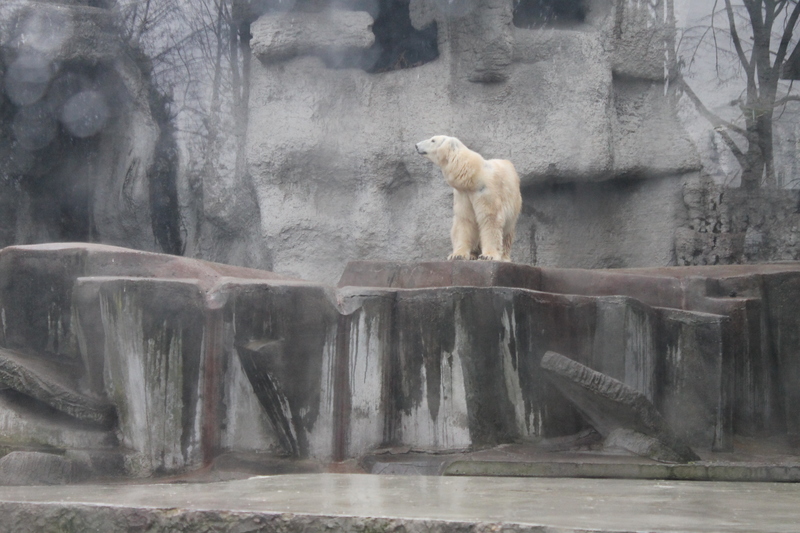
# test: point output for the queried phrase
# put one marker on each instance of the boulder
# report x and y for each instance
(37, 468)
(615, 409)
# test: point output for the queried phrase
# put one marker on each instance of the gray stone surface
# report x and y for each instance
(286, 35)
(407, 503)
(201, 360)
(577, 468)
(335, 179)
(25, 425)
(118, 327)
(482, 40)
(643, 41)
(611, 406)
(728, 225)
(601, 225)
(440, 274)
(694, 409)
(329, 177)
(36, 468)
(64, 32)
(735, 292)
(53, 384)
(643, 446)
(589, 107)
(79, 128)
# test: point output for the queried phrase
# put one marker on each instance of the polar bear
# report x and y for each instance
(486, 199)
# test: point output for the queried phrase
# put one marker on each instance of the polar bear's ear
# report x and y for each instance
(454, 144)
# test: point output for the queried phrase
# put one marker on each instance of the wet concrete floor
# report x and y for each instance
(420, 503)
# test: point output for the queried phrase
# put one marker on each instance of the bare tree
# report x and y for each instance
(757, 35)
(199, 56)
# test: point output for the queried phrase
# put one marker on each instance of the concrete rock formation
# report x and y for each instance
(77, 134)
(728, 225)
(580, 109)
(287, 35)
(36, 468)
(201, 359)
(623, 415)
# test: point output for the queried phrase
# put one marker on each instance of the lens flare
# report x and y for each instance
(27, 79)
(34, 127)
(85, 114)
(46, 30)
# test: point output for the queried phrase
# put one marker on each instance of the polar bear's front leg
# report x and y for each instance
(464, 233)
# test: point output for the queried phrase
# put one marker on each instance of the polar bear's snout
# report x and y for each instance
(420, 150)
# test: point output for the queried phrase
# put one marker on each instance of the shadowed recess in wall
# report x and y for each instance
(162, 177)
(536, 13)
(398, 44)
(258, 357)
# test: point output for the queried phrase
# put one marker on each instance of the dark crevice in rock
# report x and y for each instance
(398, 45)
(50, 138)
(162, 177)
(537, 13)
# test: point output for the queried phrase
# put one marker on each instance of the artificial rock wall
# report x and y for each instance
(728, 225)
(78, 138)
(141, 363)
(583, 111)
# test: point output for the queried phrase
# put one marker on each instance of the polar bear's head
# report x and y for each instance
(438, 148)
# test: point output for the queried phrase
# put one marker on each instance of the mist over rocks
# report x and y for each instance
(602, 156)
(77, 131)
(289, 147)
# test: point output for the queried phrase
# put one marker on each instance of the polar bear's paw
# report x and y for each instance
(457, 257)
(489, 258)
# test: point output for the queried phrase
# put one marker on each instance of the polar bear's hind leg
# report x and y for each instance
(464, 233)
(508, 239)
(491, 237)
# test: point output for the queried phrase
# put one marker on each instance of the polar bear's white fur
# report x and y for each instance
(486, 199)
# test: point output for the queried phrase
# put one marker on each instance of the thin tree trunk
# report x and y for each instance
(213, 120)
(243, 97)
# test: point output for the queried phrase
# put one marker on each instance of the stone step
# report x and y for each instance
(54, 383)
(340, 502)
(528, 461)
(624, 470)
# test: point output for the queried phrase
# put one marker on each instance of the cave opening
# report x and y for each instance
(398, 44)
(531, 14)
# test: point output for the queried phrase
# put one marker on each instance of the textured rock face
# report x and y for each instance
(199, 359)
(33, 468)
(331, 152)
(77, 136)
(86, 327)
(617, 411)
(728, 225)
(287, 35)
(330, 174)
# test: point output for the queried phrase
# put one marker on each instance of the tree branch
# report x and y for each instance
(737, 43)
(716, 121)
(786, 99)
(779, 5)
(788, 30)
(741, 158)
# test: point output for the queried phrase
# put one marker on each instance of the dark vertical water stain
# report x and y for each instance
(212, 342)
(546, 322)
(342, 401)
(389, 378)
(258, 358)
